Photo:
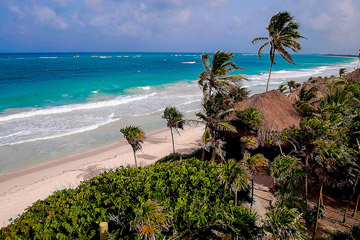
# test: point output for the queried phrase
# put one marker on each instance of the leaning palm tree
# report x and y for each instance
(174, 122)
(151, 218)
(253, 163)
(215, 77)
(135, 137)
(283, 33)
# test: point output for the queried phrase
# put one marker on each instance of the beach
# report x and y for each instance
(20, 189)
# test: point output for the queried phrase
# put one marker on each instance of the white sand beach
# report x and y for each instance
(20, 189)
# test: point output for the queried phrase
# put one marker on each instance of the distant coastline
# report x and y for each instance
(341, 55)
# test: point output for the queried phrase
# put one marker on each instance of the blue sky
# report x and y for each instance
(331, 26)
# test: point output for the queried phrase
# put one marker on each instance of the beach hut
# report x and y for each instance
(277, 112)
(354, 76)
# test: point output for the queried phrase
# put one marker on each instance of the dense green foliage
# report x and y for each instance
(200, 204)
(352, 234)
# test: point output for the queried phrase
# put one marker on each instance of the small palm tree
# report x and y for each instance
(284, 223)
(135, 137)
(283, 33)
(174, 122)
(234, 176)
(342, 72)
(214, 78)
(151, 218)
(253, 164)
(213, 126)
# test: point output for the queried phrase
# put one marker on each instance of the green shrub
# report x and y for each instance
(353, 234)
(190, 189)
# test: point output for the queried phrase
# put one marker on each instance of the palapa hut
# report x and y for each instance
(354, 76)
(277, 112)
(319, 83)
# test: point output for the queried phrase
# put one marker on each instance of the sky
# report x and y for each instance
(331, 26)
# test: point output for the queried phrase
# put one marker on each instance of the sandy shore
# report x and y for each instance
(20, 189)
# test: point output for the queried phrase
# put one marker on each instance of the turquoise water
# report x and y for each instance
(53, 105)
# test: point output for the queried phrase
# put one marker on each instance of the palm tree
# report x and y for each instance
(151, 218)
(286, 172)
(283, 33)
(214, 124)
(234, 176)
(342, 72)
(135, 137)
(174, 122)
(284, 223)
(214, 78)
(253, 164)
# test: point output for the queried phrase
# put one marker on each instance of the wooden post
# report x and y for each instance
(322, 200)
(103, 227)
(356, 206)
(318, 211)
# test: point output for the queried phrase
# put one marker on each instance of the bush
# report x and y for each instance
(190, 189)
(353, 234)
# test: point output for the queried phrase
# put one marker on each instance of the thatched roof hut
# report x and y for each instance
(354, 76)
(277, 112)
(321, 85)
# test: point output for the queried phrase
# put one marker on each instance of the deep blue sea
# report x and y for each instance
(57, 104)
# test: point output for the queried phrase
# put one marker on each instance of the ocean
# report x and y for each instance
(54, 105)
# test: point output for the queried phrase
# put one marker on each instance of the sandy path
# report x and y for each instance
(20, 189)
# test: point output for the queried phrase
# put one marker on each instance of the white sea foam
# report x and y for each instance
(104, 56)
(15, 134)
(49, 57)
(95, 91)
(188, 62)
(94, 56)
(70, 132)
(145, 88)
(69, 108)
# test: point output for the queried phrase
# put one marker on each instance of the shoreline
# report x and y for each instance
(20, 189)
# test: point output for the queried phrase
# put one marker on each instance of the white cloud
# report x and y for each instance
(47, 17)
(321, 22)
(181, 17)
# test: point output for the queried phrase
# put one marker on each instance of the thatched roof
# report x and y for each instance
(277, 112)
(321, 85)
(354, 76)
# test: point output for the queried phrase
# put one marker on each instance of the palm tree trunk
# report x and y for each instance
(351, 196)
(235, 198)
(267, 85)
(213, 155)
(252, 191)
(135, 158)
(318, 211)
(203, 155)
(306, 181)
(173, 145)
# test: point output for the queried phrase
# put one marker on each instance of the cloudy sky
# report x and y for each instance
(331, 26)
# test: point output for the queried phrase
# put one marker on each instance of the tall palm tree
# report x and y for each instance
(174, 122)
(253, 163)
(135, 137)
(214, 78)
(151, 218)
(283, 33)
